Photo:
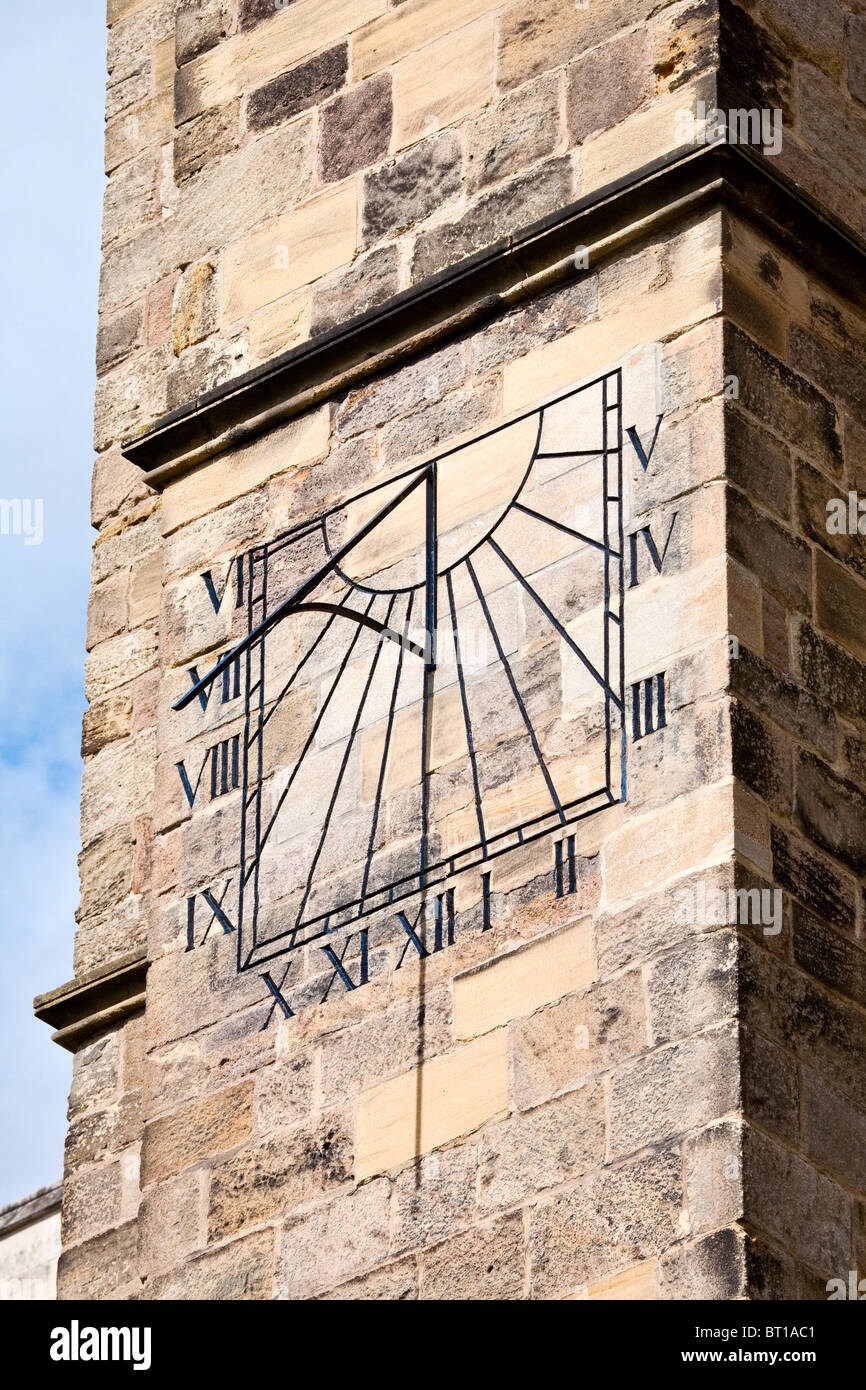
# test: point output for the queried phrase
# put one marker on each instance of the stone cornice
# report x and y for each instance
(483, 286)
(96, 1001)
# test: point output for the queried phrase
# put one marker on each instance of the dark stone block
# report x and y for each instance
(355, 129)
(781, 561)
(813, 880)
(770, 1086)
(412, 187)
(784, 701)
(784, 401)
(829, 956)
(761, 757)
(515, 205)
(757, 463)
(832, 811)
(831, 673)
(298, 89)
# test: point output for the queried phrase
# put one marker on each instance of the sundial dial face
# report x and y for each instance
(430, 675)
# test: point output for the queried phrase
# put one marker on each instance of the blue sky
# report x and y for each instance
(52, 62)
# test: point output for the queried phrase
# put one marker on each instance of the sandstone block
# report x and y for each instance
(394, 1283)
(439, 84)
(392, 36)
(542, 1148)
(261, 50)
(712, 1165)
(487, 1262)
(840, 604)
(693, 987)
(333, 1243)
(832, 811)
(92, 1202)
(834, 1131)
(118, 336)
(434, 1104)
(288, 1169)
(771, 1086)
(289, 252)
(198, 1131)
(515, 204)
(523, 980)
(710, 1268)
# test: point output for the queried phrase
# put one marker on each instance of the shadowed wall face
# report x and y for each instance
(530, 678)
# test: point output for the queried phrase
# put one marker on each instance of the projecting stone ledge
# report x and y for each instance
(96, 1000)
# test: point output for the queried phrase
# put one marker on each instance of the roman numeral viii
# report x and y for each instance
(223, 762)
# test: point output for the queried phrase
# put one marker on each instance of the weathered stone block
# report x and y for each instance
(394, 1283)
(487, 1262)
(170, 1223)
(832, 811)
(333, 1243)
(840, 604)
(814, 1221)
(589, 1032)
(674, 1089)
(355, 129)
(92, 1201)
(415, 185)
(513, 134)
(241, 1271)
(198, 1131)
(301, 87)
(209, 136)
(515, 204)
(199, 25)
(693, 987)
(290, 1168)
(435, 1197)
(608, 1221)
(712, 1165)
(710, 1268)
(828, 956)
(771, 1086)
(118, 336)
(105, 1267)
(371, 281)
(542, 1148)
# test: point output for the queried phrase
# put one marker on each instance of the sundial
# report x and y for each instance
(429, 675)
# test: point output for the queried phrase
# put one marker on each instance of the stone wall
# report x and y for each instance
(795, 441)
(574, 1102)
